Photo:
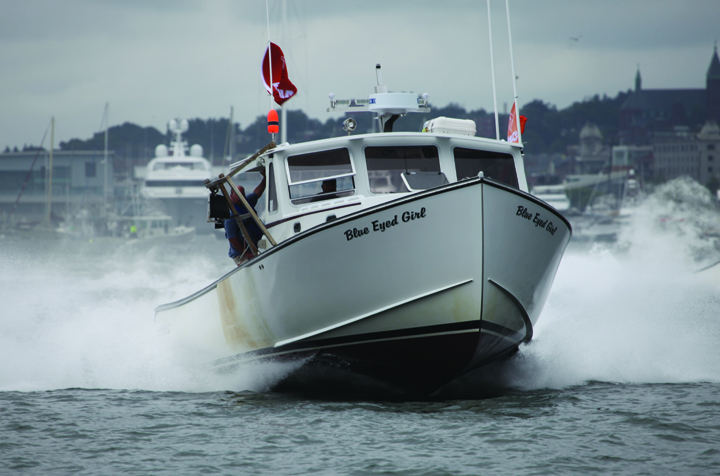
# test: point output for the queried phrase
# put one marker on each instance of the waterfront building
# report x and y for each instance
(80, 180)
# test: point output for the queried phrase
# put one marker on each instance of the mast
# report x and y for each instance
(231, 146)
(283, 109)
(105, 158)
(270, 81)
(50, 171)
(512, 66)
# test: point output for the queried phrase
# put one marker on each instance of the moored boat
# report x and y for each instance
(554, 195)
(174, 180)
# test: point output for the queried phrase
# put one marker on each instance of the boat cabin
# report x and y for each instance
(315, 182)
(319, 181)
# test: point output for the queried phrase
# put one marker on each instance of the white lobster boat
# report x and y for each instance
(429, 260)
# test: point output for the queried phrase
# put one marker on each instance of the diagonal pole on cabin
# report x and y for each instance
(237, 218)
(219, 184)
(257, 154)
(252, 212)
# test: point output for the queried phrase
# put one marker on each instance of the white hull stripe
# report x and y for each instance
(372, 313)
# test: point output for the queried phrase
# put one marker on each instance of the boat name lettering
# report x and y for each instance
(377, 225)
(355, 233)
(546, 224)
(382, 226)
(407, 216)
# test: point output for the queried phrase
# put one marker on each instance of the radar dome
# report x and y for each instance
(172, 125)
(196, 150)
(184, 125)
(161, 151)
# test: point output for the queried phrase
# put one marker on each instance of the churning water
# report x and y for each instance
(622, 377)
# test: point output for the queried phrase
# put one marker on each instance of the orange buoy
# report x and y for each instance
(273, 122)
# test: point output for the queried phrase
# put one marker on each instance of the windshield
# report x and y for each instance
(386, 164)
(495, 165)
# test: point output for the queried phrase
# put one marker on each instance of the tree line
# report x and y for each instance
(548, 130)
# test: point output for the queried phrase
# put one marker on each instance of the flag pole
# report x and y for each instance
(492, 69)
(270, 79)
(512, 66)
(283, 109)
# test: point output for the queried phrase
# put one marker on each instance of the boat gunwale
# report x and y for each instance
(359, 214)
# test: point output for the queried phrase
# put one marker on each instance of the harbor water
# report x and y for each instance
(622, 376)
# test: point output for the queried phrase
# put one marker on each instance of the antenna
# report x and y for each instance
(512, 65)
(380, 88)
(492, 69)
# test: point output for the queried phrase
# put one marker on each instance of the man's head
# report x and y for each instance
(329, 186)
(233, 196)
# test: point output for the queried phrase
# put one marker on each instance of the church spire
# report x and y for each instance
(714, 69)
(638, 79)
(712, 87)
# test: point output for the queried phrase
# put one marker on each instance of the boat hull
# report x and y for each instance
(410, 294)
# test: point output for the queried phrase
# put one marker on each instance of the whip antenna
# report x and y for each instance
(492, 69)
(512, 66)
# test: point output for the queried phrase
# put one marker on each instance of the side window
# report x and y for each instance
(272, 190)
(320, 176)
(387, 164)
(496, 165)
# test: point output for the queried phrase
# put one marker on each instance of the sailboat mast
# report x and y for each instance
(231, 146)
(50, 171)
(105, 157)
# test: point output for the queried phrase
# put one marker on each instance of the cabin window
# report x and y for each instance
(386, 165)
(495, 165)
(272, 190)
(320, 176)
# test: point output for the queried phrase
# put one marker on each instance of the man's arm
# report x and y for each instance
(260, 188)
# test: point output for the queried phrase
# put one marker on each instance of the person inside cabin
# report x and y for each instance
(328, 188)
(240, 251)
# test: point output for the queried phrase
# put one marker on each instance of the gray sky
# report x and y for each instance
(159, 59)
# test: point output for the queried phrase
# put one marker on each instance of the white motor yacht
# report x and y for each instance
(175, 180)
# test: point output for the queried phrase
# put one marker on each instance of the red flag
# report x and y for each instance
(512, 135)
(282, 88)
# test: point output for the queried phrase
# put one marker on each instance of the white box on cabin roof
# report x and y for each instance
(448, 125)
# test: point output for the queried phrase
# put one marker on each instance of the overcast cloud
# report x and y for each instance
(156, 60)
